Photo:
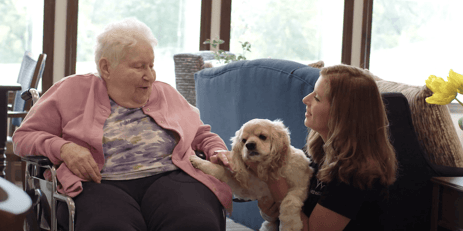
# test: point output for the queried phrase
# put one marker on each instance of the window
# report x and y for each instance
(412, 39)
(21, 29)
(305, 31)
(175, 24)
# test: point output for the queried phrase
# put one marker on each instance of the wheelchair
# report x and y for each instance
(44, 193)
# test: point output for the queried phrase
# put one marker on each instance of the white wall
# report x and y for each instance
(357, 33)
(60, 40)
(215, 19)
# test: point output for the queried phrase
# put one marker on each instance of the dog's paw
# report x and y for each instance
(293, 223)
(209, 168)
(290, 227)
(289, 208)
(195, 161)
(269, 226)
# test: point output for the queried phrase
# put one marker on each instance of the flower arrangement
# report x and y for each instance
(444, 92)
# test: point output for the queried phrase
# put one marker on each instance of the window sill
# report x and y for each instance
(455, 108)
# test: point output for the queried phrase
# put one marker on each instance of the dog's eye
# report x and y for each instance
(243, 140)
(262, 137)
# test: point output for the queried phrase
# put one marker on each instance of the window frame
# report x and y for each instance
(347, 29)
(206, 12)
(71, 37)
(226, 5)
(366, 43)
(205, 27)
(48, 46)
(366, 33)
(71, 31)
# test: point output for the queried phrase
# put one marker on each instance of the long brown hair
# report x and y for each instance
(357, 150)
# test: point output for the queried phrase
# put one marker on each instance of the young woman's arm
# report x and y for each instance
(325, 219)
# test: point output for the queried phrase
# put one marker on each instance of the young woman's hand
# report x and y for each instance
(278, 188)
(269, 209)
(222, 157)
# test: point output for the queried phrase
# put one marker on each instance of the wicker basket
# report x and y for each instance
(186, 65)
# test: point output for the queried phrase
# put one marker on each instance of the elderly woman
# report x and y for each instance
(122, 142)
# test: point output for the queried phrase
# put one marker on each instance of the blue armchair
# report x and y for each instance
(230, 95)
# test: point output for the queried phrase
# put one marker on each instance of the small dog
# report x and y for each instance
(268, 144)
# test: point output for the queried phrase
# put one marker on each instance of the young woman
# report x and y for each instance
(354, 160)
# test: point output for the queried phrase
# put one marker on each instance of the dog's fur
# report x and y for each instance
(268, 144)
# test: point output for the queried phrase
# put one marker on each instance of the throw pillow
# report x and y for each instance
(433, 124)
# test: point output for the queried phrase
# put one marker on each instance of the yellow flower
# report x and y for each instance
(456, 79)
(434, 83)
(444, 92)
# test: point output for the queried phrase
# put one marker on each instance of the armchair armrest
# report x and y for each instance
(447, 171)
(31, 93)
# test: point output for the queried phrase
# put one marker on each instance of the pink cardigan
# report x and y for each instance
(75, 110)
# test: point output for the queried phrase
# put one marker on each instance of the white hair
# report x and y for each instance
(118, 36)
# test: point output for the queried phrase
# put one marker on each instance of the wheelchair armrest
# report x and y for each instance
(241, 200)
(43, 160)
(200, 154)
(38, 160)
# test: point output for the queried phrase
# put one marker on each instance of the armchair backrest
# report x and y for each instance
(409, 204)
(235, 93)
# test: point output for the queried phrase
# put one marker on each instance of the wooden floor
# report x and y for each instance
(232, 226)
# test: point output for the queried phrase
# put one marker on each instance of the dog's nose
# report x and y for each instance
(251, 146)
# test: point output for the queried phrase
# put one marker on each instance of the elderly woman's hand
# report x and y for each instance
(80, 161)
(222, 157)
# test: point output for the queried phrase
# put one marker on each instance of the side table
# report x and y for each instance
(4, 88)
(447, 203)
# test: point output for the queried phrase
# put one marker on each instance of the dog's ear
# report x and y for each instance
(280, 138)
(236, 139)
(237, 145)
(279, 150)
(282, 130)
(241, 173)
